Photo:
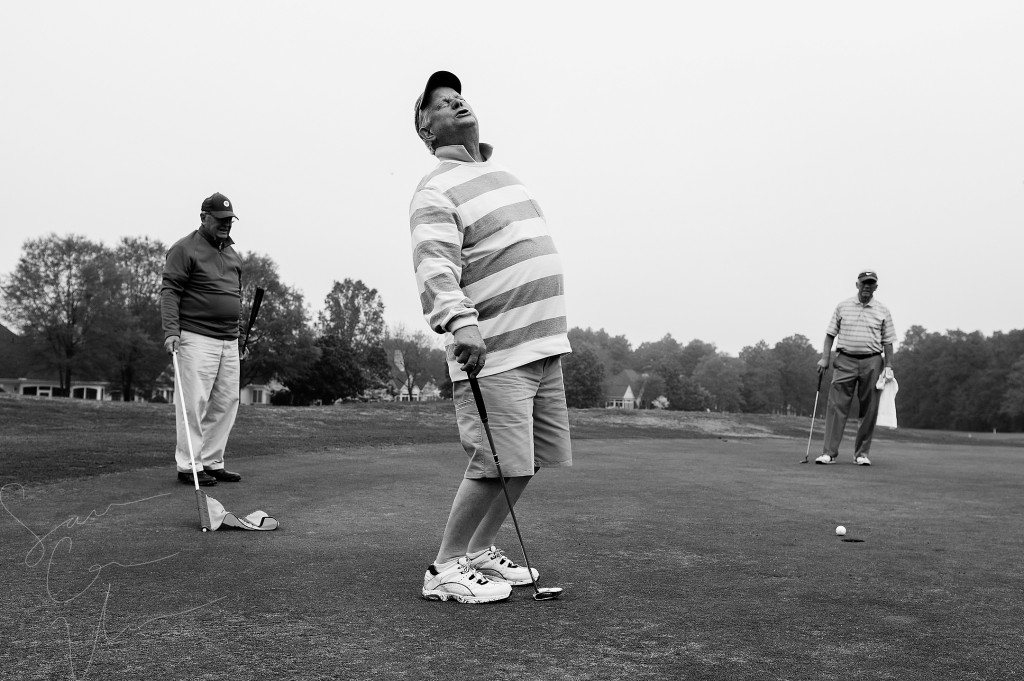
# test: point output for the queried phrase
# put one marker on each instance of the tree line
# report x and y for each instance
(667, 374)
(94, 310)
(949, 381)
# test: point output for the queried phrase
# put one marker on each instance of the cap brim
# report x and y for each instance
(440, 79)
(221, 214)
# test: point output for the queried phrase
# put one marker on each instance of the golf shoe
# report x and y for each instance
(494, 564)
(461, 582)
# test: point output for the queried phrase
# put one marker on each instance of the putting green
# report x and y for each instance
(712, 559)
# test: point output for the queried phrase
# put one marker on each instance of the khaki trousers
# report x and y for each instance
(209, 385)
(852, 376)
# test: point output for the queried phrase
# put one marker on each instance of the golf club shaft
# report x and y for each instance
(814, 411)
(184, 416)
(475, 386)
(204, 514)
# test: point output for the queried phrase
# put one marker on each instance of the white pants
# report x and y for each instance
(208, 384)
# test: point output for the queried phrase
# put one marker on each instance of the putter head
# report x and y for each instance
(549, 593)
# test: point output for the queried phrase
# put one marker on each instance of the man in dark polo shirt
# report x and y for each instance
(865, 334)
(200, 305)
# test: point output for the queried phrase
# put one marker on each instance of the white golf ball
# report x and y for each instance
(840, 530)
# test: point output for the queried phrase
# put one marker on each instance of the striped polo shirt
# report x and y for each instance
(861, 328)
(483, 256)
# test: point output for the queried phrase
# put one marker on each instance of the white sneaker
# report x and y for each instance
(825, 458)
(494, 564)
(862, 460)
(464, 584)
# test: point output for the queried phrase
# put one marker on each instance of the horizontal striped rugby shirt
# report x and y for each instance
(483, 255)
(861, 329)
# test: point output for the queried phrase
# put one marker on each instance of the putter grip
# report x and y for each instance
(475, 386)
(256, 300)
(820, 376)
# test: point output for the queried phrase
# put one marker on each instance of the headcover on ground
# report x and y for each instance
(218, 515)
(212, 513)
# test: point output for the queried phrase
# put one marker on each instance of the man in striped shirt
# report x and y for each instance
(490, 280)
(865, 334)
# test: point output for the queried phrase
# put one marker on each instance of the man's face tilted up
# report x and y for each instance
(448, 119)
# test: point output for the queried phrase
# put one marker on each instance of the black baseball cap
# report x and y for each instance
(436, 80)
(218, 206)
(867, 275)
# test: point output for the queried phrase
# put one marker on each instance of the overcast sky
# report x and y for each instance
(712, 170)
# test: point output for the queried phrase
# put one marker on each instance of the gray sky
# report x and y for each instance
(718, 171)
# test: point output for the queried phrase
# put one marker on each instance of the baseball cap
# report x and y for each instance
(867, 275)
(436, 80)
(218, 206)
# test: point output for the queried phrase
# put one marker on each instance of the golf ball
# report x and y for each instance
(840, 530)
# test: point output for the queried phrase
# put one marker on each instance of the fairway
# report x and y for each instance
(681, 559)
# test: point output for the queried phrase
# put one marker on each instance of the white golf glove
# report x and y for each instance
(887, 374)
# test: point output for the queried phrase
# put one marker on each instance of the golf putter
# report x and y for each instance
(539, 594)
(813, 412)
(204, 510)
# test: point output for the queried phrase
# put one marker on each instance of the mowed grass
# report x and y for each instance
(690, 547)
(42, 440)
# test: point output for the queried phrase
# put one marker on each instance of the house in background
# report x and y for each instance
(402, 394)
(259, 393)
(253, 393)
(624, 390)
(399, 388)
(430, 392)
(24, 372)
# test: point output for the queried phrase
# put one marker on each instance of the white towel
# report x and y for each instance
(887, 402)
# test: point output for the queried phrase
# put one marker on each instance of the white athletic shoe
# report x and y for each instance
(494, 564)
(464, 584)
(825, 458)
(862, 460)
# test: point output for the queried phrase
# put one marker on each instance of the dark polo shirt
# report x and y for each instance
(202, 288)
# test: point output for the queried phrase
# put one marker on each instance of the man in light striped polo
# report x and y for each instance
(490, 280)
(863, 331)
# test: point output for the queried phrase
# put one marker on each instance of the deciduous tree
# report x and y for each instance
(281, 345)
(761, 378)
(798, 373)
(1012, 402)
(413, 354)
(614, 352)
(663, 357)
(583, 375)
(132, 348)
(333, 375)
(722, 377)
(354, 313)
(57, 292)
